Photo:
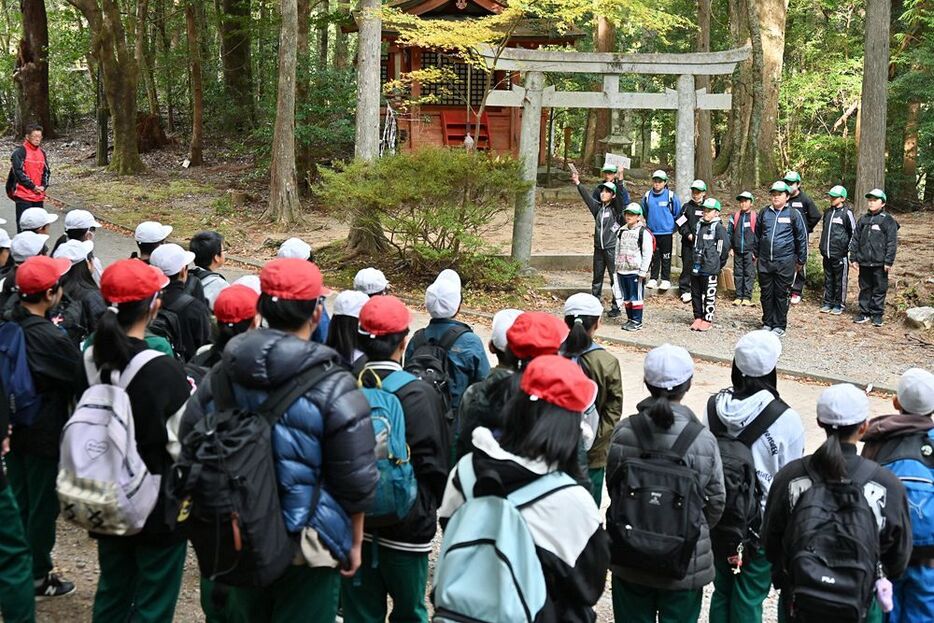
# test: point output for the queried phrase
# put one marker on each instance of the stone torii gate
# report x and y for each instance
(533, 97)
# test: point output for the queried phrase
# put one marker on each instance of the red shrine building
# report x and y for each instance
(443, 120)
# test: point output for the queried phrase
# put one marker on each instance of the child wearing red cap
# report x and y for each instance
(323, 445)
(395, 556)
(140, 575)
(235, 311)
(32, 463)
(541, 436)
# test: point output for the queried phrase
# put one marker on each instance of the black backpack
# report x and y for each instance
(11, 184)
(71, 316)
(831, 550)
(738, 529)
(225, 486)
(429, 362)
(168, 324)
(656, 505)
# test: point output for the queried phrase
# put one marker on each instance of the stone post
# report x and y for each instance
(528, 151)
(684, 140)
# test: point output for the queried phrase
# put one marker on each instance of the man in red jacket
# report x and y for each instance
(30, 173)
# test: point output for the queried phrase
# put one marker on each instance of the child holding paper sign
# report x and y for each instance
(607, 218)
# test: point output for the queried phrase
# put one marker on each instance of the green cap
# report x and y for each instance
(712, 204)
(876, 193)
(780, 187)
(791, 177)
(745, 195)
(660, 175)
(610, 186)
(837, 191)
(633, 208)
(700, 185)
(609, 168)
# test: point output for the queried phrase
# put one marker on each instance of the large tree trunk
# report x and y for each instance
(703, 156)
(910, 154)
(283, 199)
(195, 155)
(303, 150)
(120, 72)
(323, 36)
(31, 71)
(341, 51)
(870, 163)
(103, 116)
(589, 147)
(166, 64)
(235, 50)
(605, 39)
(144, 58)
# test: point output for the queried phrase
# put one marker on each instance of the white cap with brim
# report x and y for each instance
(583, 304)
(35, 218)
(27, 244)
(75, 251)
(171, 259)
(80, 219)
(443, 297)
(502, 322)
(667, 367)
(349, 303)
(449, 274)
(5, 240)
(916, 392)
(295, 247)
(149, 232)
(250, 281)
(842, 405)
(756, 353)
(660, 175)
(370, 281)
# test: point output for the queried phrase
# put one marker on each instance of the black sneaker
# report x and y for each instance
(614, 313)
(53, 586)
(633, 326)
(861, 319)
(625, 325)
(877, 321)
(825, 309)
(836, 311)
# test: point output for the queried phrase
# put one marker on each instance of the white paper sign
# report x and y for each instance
(620, 162)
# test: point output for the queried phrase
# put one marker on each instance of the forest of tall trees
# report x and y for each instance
(835, 88)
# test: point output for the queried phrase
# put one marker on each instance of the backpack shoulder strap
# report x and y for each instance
(136, 364)
(280, 400)
(643, 431)
(762, 422)
(714, 423)
(418, 340)
(222, 388)
(752, 219)
(687, 437)
(397, 380)
(179, 304)
(541, 487)
(864, 472)
(451, 335)
(467, 476)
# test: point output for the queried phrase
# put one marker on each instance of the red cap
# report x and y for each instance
(384, 315)
(39, 273)
(534, 334)
(235, 304)
(292, 279)
(560, 382)
(131, 280)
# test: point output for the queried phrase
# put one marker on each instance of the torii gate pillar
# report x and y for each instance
(528, 150)
(684, 141)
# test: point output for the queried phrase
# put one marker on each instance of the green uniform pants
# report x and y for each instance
(32, 479)
(596, 483)
(873, 616)
(138, 583)
(17, 594)
(634, 603)
(214, 601)
(386, 572)
(738, 598)
(304, 594)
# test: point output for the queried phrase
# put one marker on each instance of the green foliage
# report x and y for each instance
(814, 278)
(434, 205)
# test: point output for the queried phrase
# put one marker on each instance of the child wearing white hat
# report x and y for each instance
(342, 332)
(752, 412)
(904, 444)
(832, 551)
(370, 281)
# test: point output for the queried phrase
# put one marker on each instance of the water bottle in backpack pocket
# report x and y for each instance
(832, 550)
(488, 568)
(397, 487)
(21, 394)
(911, 458)
(656, 505)
(103, 485)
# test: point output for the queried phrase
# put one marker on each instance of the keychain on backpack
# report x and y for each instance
(883, 590)
(736, 561)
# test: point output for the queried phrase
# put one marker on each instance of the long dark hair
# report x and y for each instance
(535, 429)
(828, 460)
(578, 339)
(660, 407)
(746, 386)
(342, 336)
(285, 315)
(111, 344)
(77, 280)
(70, 234)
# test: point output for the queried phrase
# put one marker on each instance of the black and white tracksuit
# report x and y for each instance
(693, 212)
(873, 247)
(782, 244)
(839, 225)
(607, 220)
(711, 250)
(742, 232)
(805, 205)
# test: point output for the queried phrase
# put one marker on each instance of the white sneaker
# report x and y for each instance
(686, 297)
(795, 299)
(651, 284)
(665, 285)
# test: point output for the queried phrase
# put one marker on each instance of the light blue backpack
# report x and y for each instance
(488, 551)
(397, 487)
